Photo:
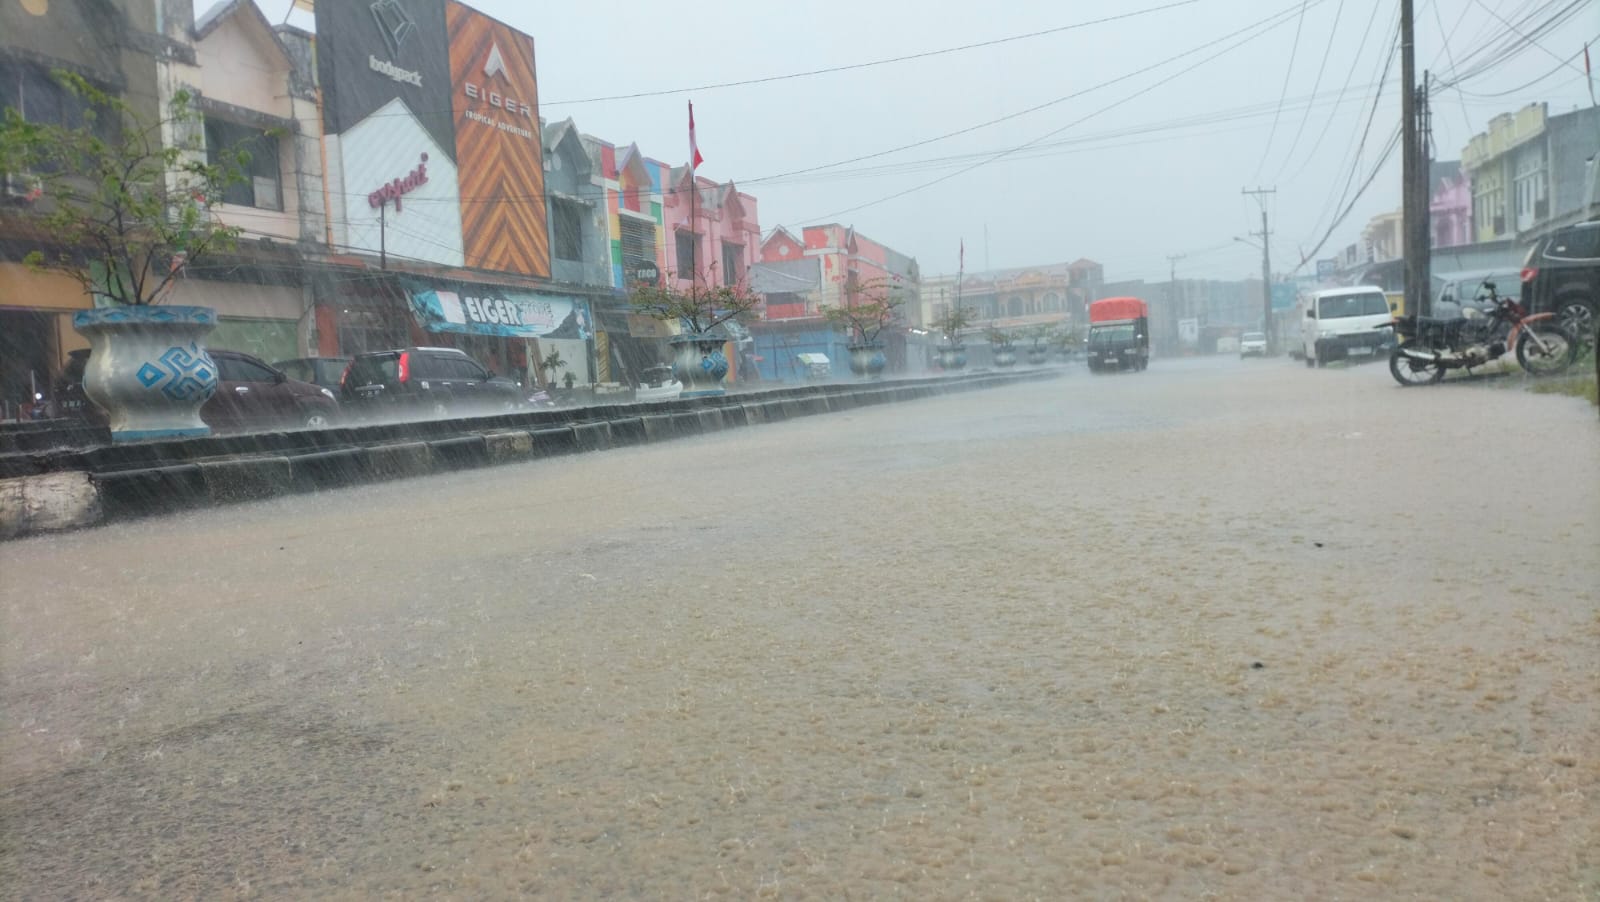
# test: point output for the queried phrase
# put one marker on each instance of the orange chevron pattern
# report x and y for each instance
(499, 150)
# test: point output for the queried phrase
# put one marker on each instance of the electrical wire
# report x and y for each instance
(871, 63)
(1294, 53)
(1348, 77)
(1052, 133)
(1327, 51)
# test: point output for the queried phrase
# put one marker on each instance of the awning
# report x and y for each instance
(477, 309)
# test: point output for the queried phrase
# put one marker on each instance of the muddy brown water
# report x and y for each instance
(1221, 629)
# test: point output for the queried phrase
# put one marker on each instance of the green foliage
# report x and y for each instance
(876, 308)
(1000, 340)
(699, 309)
(953, 321)
(552, 361)
(122, 201)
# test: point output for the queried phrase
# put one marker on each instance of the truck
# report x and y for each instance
(1119, 334)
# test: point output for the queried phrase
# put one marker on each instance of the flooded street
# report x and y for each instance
(1230, 629)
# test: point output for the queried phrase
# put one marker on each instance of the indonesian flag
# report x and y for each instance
(694, 148)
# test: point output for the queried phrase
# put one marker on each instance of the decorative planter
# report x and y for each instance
(952, 357)
(1005, 357)
(868, 360)
(700, 364)
(148, 368)
(1038, 356)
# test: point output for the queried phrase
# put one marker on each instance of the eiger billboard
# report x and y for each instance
(432, 116)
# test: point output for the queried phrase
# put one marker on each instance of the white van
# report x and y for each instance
(1341, 322)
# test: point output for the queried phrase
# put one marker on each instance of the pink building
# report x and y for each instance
(837, 265)
(724, 239)
(1450, 208)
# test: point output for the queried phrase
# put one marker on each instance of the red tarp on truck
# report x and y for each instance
(1113, 309)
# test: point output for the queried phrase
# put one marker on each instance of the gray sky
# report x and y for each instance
(1129, 189)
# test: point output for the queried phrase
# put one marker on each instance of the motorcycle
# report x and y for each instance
(1429, 347)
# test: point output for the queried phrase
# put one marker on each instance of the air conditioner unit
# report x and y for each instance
(20, 186)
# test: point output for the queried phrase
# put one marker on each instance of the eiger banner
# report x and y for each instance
(475, 309)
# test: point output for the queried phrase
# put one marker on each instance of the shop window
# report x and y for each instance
(261, 185)
(638, 241)
(566, 220)
(686, 256)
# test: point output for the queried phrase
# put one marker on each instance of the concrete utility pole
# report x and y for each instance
(1260, 195)
(1174, 296)
(1414, 180)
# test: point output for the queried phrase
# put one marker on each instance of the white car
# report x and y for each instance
(657, 383)
(1253, 344)
(1343, 322)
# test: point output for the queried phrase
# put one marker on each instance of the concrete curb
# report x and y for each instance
(45, 491)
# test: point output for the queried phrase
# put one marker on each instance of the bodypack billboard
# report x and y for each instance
(435, 154)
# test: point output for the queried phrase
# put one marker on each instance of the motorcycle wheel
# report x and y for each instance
(1561, 349)
(1409, 371)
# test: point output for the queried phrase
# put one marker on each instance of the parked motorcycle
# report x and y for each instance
(1429, 347)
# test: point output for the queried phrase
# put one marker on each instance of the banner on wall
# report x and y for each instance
(472, 309)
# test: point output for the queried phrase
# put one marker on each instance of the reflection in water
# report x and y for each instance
(1001, 645)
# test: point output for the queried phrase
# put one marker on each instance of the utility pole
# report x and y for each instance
(1260, 195)
(1174, 299)
(1414, 172)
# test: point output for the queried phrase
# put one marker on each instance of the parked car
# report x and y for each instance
(320, 371)
(1470, 289)
(1341, 323)
(251, 396)
(425, 382)
(1561, 275)
(1253, 344)
(657, 383)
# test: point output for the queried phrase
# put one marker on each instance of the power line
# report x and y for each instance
(871, 63)
(1437, 17)
(1294, 52)
(1327, 51)
(1530, 40)
(1079, 121)
(1348, 77)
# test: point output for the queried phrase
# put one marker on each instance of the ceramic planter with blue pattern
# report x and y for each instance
(148, 368)
(700, 363)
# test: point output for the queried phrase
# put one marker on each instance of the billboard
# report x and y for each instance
(500, 152)
(475, 309)
(435, 153)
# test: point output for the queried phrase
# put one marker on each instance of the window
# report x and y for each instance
(463, 368)
(1581, 243)
(686, 255)
(260, 186)
(638, 241)
(732, 263)
(235, 369)
(1373, 304)
(298, 369)
(31, 90)
(566, 221)
(431, 366)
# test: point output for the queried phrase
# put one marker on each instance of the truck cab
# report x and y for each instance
(1119, 335)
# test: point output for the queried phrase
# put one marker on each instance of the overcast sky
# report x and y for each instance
(1149, 166)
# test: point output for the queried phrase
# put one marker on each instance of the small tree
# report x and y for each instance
(1000, 340)
(550, 364)
(124, 201)
(952, 321)
(1041, 337)
(866, 319)
(701, 308)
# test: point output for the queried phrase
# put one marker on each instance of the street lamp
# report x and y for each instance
(1247, 241)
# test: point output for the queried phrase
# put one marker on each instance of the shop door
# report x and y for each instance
(27, 358)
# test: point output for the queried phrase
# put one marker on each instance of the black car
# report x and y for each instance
(250, 396)
(321, 371)
(1562, 275)
(427, 382)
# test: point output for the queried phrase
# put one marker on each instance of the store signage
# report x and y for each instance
(400, 187)
(487, 310)
(397, 27)
(495, 68)
(646, 273)
(393, 72)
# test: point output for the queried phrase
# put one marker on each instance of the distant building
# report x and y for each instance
(1531, 172)
(1450, 205)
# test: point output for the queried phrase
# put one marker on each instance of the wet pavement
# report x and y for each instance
(1225, 628)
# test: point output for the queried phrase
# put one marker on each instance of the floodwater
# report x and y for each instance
(1222, 629)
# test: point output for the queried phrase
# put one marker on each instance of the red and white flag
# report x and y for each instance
(694, 148)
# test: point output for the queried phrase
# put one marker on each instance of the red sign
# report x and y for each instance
(400, 187)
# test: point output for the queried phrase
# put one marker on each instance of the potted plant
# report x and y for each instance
(1003, 346)
(1040, 339)
(551, 364)
(953, 354)
(863, 321)
(699, 360)
(121, 202)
